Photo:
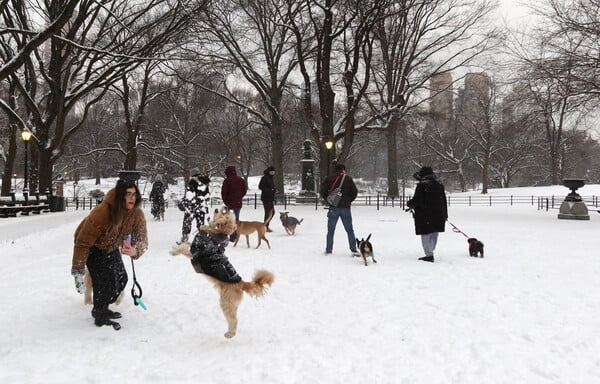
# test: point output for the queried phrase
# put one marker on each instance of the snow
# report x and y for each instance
(526, 313)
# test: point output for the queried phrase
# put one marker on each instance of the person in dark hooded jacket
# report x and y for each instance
(430, 210)
(233, 190)
(342, 210)
(267, 194)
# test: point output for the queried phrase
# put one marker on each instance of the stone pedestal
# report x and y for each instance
(307, 193)
(573, 208)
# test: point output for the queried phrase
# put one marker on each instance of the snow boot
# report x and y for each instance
(100, 321)
(103, 315)
(426, 258)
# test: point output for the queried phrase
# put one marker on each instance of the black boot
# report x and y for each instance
(103, 320)
(113, 314)
(102, 316)
(427, 258)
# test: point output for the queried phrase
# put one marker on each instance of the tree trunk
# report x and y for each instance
(9, 165)
(392, 159)
(277, 153)
(45, 166)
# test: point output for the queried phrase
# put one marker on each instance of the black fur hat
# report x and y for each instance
(204, 180)
(424, 171)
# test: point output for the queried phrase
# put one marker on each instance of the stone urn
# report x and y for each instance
(573, 207)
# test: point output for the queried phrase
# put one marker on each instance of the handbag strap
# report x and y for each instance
(335, 181)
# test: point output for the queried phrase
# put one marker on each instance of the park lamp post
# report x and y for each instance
(329, 143)
(26, 136)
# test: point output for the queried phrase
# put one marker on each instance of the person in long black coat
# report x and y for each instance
(267, 194)
(157, 197)
(430, 210)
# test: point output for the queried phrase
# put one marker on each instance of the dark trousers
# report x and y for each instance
(109, 278)
(236, 212)
(268, 205)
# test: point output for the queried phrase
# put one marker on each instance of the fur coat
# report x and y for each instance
(96, 231)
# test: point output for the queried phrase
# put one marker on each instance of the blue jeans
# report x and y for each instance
(332, 218)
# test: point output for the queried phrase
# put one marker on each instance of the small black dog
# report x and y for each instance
(366, 249)
(475, 247)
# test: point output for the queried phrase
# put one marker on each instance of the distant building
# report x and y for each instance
(441, 104)
(476, 96)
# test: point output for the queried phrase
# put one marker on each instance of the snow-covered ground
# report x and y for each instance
(526, 313)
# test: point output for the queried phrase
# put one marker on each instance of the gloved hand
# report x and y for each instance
(78, 276)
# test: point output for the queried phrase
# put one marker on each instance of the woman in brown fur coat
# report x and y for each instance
(99, 243)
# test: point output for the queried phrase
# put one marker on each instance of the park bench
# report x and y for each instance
(10, 206)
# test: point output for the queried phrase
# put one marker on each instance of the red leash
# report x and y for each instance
(455, 229)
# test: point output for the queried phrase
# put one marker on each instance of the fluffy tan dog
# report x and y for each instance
(248, 227)
(207, 256)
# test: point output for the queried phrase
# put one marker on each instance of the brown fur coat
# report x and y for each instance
(96, 231)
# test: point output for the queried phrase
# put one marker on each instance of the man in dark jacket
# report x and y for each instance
(232, 193)
(267, 194)
(342, 211)
(430, 210)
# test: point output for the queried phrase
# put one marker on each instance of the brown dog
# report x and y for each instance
(248, 227)
(289, 222)
(231, 294)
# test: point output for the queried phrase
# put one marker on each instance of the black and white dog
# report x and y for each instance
(366, 249)
(475, 247)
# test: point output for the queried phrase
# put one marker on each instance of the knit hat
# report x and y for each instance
(204, 180)
(269, 169)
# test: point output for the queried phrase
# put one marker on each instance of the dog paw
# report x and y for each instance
(229, 335)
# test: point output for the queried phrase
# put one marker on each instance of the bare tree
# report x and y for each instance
(99, 43)
(417, 42)
(570, 31)
(340, 55)
(249, 43)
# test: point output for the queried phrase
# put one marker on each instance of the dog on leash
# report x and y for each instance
(475, 247)
(207, 256)
(366, 249)
(248, 227)
(289, 222)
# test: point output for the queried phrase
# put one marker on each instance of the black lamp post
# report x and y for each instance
(328, 142)
(26, 136)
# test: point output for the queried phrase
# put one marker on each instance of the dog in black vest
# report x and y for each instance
(366, 249)
(475, 247)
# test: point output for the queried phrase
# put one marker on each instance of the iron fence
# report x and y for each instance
(376, 201)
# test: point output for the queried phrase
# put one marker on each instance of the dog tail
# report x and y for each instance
(257, 287)
(299, 222)
(270, 217)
